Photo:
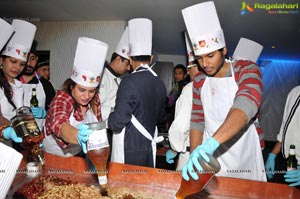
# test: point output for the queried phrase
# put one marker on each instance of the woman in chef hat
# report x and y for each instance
(77, 103)
(225, 99)
(12, 62)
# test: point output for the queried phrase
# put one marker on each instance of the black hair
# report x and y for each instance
(4, 84)
(182, 67)
(115, 55)
(141, 58)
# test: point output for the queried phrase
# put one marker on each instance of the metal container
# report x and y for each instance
(24, 123)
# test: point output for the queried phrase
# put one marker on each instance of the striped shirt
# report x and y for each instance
(247, 98)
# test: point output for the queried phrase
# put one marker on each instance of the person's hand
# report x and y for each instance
(38, 112)
(293, 176)
(270, 165)
(9, 133)
(209, 146)
(170, 155)
(83, 136)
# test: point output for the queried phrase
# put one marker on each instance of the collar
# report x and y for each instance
(112, 70)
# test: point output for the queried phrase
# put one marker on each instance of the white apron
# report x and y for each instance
(244, 158)
(117, 154)
(7, 110)
(41, 96)
(50, 145)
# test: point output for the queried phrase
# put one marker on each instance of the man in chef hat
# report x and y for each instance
(11, 159)
(139, 103)
(225, 99)
(119, 65)
(77, 103)
(45, 91)
(180, 127)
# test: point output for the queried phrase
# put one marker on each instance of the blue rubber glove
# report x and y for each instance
(270, 165)
(293, 176)
(209, 146)
(170, 155)
(9, 133)
(38, 112)
(83, 136)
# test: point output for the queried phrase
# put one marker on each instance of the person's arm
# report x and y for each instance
(69, 133)
(197, 115)
(180, 127)
(126, 101)
(105, 93)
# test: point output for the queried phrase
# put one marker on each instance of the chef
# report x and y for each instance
(77, 103)
(225, 99)
(139, 103)
(45, 92)
(180, 127)
(112, 73)
(13, 60)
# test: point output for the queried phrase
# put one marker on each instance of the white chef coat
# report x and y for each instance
(108, 90)
(180, 128)
(290, 126)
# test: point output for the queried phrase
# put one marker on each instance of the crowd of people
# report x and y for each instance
(211, 109)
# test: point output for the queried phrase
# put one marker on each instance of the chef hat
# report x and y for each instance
(140, 36)
(123, 46)
(20, 43)
(89, 61)
(247, 50)
(203, 26)
(6, 30)
(190, 52)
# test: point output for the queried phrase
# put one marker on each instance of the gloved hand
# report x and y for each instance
(9, 133)
(38, 112)
(83, 136)
(270, 165)
(293, 176)
(170, 155)
(209, 146)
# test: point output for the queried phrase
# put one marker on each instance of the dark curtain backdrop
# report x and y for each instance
(279, 77)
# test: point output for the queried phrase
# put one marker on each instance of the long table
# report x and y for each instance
(157, 183)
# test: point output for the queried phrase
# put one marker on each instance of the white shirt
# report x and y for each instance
(107, 91)
(180, 128)
(292, 135)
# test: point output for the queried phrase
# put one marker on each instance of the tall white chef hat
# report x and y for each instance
(140, 36)
(123, 45)
(20, 43)
(6, 30)
(247, 50)
(190, 52)
(89, 61)
(203, 26)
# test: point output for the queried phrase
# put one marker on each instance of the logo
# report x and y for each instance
(270, 8)
(246, 8)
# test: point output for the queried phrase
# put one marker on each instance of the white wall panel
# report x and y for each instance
(61, 39)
